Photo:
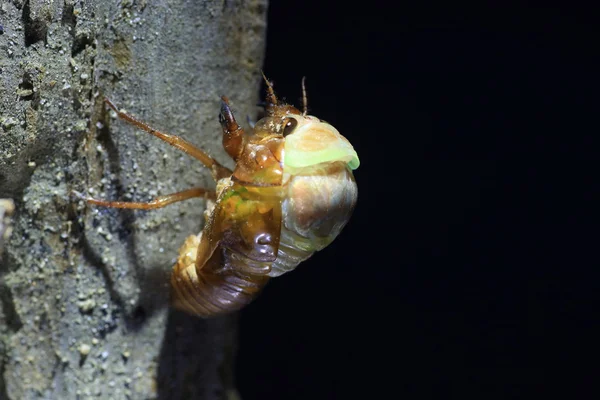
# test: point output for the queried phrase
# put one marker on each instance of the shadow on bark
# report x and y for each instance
(186, 370)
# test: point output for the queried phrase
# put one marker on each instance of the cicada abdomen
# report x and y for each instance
(235, 251)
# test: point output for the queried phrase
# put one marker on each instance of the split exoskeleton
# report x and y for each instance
(290, 194)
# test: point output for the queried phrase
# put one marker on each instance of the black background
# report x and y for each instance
(468, 265)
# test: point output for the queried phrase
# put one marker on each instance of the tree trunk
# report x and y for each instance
(84, 290)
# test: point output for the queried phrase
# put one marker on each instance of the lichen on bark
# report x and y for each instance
(83, 291)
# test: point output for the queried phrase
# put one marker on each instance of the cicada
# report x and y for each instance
(290, 194)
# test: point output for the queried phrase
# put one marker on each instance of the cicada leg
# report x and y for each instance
(233, 134)
(158, 202)
(218, 171)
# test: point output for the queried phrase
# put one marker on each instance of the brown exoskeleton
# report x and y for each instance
(290, 194)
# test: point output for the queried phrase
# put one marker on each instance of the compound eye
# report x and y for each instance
(288, 126)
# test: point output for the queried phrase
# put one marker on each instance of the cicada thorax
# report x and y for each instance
(261, 163)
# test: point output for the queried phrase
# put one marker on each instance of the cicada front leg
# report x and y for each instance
(233, 134)
(218, 171)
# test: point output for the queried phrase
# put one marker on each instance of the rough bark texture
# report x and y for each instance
(84, 296)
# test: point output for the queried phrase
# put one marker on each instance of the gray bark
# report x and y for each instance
(84, 291)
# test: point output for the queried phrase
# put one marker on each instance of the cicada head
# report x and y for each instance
(310, 141)
(298, 142)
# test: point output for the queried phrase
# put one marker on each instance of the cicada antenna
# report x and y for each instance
(271, 99)
(304, 98)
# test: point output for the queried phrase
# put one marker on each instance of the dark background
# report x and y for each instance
(467, 267)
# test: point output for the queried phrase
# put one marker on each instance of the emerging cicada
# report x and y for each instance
(290, 194)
